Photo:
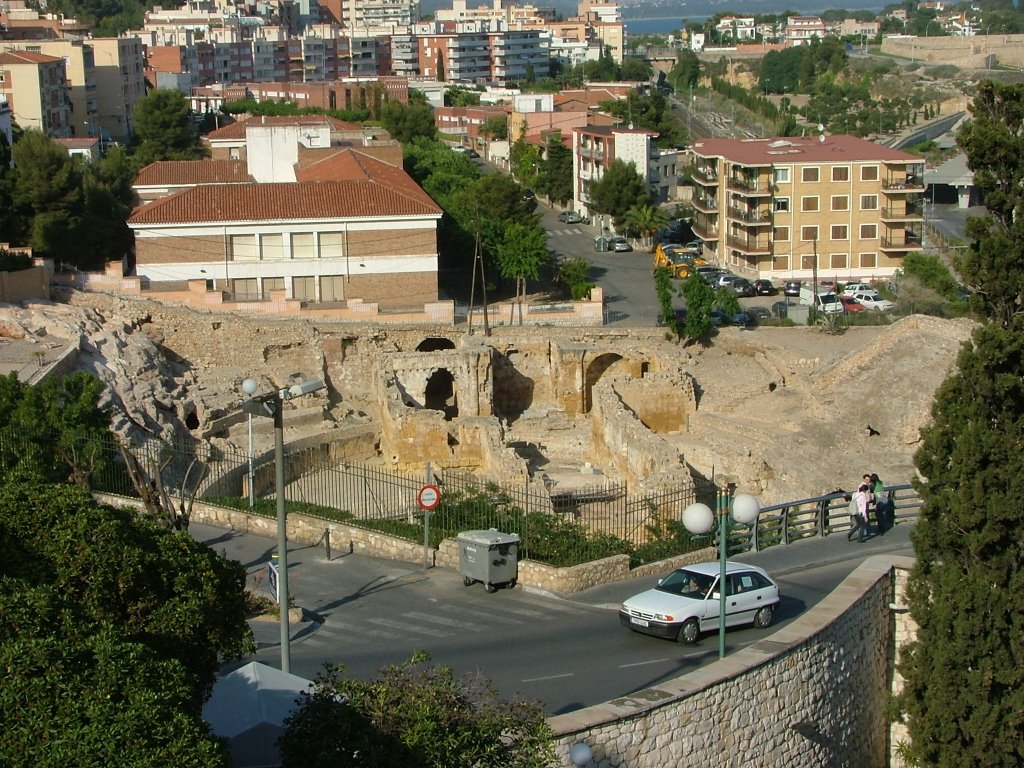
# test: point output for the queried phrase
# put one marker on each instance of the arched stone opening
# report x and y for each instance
(597, 368)
(434, 344)
(439, 394)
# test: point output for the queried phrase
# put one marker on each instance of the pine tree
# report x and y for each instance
(963, 699)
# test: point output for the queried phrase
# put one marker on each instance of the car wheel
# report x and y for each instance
(689, 633)
(763, 618)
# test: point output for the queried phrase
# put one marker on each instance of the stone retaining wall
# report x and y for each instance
(815, 693)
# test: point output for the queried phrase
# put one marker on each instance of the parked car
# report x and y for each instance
(725, 278)
(764, 288)
(680, 313)
(759, 314)
(853, 288)
(570, 217)
(697, 245)
(719, 318)
(743, 287)
(473, 153)
(828, 286)
(780, 309)
(529, 195)
(686, 602)
(620, 245)
(850, 304)
(872, 300)
(792, 288)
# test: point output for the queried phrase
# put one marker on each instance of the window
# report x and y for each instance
(780, 233)
(303, 246)
(839, 232)
(272, 284)
(809, 175)
(781, 175)
(272, 247)
(841, 173)
(869, 202)
(869, 173)
(246, 290)
(332, 288)
(235, 153)
(330, 245)
(868, 260)
(807, 234)
(304, 288)
(781, 204)
(780, 262)
(243, 248)
(868, 231)
(837, 260)
(808, 203)
(840, 203)
(807, 261)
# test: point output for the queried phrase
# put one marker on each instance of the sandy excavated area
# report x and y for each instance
(783, 411)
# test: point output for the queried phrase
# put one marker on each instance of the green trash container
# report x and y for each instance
(489, 557)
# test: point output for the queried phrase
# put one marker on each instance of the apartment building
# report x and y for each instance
(799, 207)
(371, 17)
(596, 147)
(36, 89)
(801, 30)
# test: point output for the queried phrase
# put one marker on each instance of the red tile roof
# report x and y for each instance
(26, 57)
(193, 172)
(262, 202)
(236, 131)
(796, 149)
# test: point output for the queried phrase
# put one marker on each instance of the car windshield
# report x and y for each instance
(686, 584)
(871, 297)
(827, 298)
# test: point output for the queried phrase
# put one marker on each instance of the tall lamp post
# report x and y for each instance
(272, 404)
(699, 519)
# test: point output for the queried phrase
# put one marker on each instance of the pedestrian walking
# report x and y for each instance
(883, 507)
(859, 513)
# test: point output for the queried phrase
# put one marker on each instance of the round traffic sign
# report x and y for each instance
(429, 496)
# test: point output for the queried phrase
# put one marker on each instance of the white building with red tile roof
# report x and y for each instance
(298, 219)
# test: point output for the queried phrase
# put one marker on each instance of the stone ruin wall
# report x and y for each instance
(662, 402)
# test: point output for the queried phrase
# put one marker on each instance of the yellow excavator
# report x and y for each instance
(677, 259)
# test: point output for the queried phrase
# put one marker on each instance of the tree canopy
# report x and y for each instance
(964, 674)
(619, 189)
(414, 714)
(406, 122)
(162, 122)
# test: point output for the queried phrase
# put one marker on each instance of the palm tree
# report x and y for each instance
(646, 220)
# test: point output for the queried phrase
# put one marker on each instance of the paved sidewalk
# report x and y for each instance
(315, 582)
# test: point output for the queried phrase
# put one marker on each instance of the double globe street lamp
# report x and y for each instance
(699, 519)
(272, 404)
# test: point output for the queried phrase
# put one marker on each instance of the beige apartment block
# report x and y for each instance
(36, 90)
(805, 208)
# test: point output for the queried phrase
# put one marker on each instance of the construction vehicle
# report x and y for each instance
(679, 260)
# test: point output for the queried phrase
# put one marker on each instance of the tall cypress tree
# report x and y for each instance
(963, 700)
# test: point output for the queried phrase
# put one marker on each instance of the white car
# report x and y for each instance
(872, 300)
(686, 602)
(852, 288)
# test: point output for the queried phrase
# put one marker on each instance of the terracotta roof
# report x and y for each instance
(795, 149)
(302, 201)
(192, 172)
(26, 57)
(79, 143)
(236, 131)
(353, 165)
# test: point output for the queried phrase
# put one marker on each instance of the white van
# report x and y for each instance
(826, 301)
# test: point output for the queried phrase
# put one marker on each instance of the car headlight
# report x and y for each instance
(664, 617)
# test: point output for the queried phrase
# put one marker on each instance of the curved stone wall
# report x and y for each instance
(813, 694)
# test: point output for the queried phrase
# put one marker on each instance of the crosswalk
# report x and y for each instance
(442, 621)
(566, 232)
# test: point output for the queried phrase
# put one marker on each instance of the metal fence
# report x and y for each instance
(554, 524)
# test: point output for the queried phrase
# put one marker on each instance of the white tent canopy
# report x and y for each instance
(248, 707)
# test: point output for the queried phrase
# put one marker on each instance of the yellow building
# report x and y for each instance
(36, 90)
(830, 206)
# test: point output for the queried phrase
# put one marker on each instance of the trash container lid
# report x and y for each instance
(489, 537)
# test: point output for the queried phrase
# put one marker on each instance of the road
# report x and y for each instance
(567, 653)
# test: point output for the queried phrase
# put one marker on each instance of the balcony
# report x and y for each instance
(908, 241)
(757, 217)
(746, 186)
(913, 210)
(705, 176)
(704, 203)
(591, 151)
(752, 246)
(905, 184)
(705, 230)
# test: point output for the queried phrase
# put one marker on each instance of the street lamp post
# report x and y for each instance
(272, 404)
(699, 519)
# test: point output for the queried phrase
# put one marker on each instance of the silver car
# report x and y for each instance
(686, 602)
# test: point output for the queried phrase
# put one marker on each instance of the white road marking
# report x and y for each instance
(549, 677)
(642, 663)
(405, 627)
(446, 622)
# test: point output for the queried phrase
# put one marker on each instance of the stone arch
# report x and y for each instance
(435, 344)
(439, 394)
(593, 373)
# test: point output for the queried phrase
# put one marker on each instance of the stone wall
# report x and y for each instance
(905, 629)
(31, 283)
(815, 693)
(662, 402)
(974, 52)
